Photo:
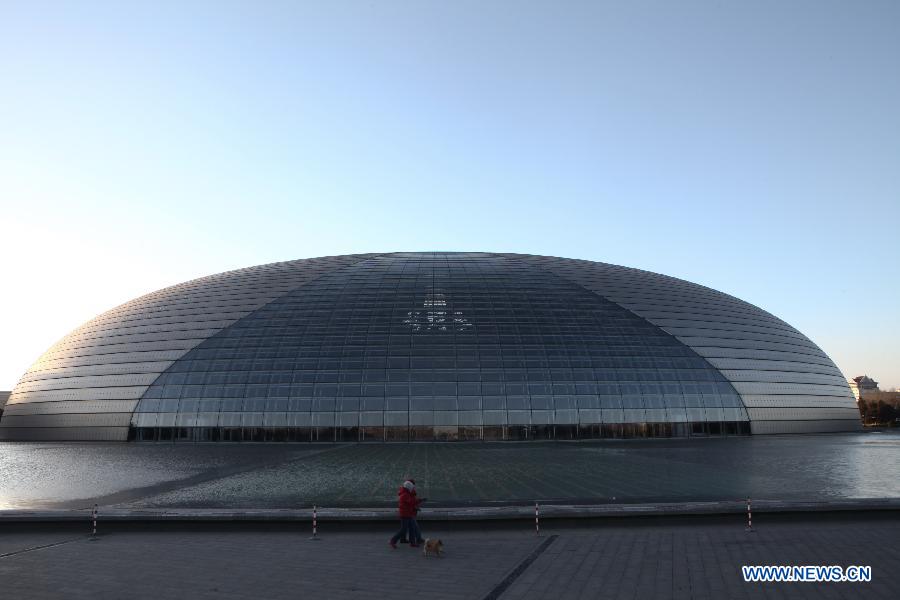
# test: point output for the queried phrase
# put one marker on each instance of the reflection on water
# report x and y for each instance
(871, 467)
(809, 467)
(47, 474)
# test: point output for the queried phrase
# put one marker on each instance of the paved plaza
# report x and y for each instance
(629, 558)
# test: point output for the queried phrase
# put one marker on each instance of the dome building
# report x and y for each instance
(429, 346)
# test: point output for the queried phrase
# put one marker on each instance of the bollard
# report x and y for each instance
(94, 521)
(749, 518)
(315, 536)
(537, 523)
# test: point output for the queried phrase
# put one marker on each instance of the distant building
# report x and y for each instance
(862, 386)
(4, 396)
(877, 408)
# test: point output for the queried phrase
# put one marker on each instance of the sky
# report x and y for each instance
(753, 147)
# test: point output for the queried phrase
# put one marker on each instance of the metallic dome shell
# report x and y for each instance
(429, 346)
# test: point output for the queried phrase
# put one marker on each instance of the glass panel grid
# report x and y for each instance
(508, 343)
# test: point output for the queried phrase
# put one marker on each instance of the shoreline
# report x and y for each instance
(437, 514)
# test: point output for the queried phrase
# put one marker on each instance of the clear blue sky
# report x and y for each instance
(750, 146)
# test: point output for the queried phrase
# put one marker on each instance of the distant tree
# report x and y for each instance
(880, 410)
(886, 413)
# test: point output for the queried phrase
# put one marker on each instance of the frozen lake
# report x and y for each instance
(808, 467)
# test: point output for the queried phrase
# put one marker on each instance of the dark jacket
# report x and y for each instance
(408, 503)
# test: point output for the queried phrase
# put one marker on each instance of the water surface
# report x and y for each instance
(799, 468)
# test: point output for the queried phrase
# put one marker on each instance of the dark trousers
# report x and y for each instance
(410, 527)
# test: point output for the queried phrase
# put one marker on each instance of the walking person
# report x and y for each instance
(408, 506)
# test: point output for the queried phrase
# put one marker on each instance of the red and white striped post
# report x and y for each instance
(537, 522)
(315, 536)
(749, 517)
(94, 521)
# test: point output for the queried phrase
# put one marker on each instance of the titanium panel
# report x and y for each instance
(75, 420)
(70, 434)
(72, 406)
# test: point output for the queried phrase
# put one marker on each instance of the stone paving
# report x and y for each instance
(627, 559)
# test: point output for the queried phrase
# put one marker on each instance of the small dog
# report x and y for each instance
(435, 547)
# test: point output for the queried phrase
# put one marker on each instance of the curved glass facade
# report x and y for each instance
(429, 346)
(439, 347)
